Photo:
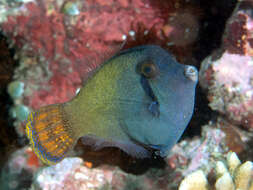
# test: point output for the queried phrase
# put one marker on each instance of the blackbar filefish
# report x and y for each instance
(140, 101)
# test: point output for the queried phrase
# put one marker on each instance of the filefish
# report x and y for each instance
(140, 101)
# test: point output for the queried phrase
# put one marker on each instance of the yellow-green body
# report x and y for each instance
(92, 110)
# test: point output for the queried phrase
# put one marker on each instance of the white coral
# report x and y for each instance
(231, 175)
(194, 181)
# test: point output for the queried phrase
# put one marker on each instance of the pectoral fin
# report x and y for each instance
(128, 147)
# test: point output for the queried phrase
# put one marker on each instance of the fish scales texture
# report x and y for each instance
(140, 101)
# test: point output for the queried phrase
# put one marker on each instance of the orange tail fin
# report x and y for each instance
(50, 133)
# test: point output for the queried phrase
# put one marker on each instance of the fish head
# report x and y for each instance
(155, 100)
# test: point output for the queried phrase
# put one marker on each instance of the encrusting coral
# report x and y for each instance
(231, 174)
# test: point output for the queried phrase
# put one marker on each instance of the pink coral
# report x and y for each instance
(66, 42)
(227, 73)
(49, 33)
(42, 30)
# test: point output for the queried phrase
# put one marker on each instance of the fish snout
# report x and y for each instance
(191, 73)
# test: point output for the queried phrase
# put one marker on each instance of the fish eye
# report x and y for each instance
(148, 69)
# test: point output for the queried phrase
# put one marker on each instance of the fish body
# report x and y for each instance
(140, 100)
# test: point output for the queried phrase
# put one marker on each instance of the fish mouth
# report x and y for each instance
(159, 150)
(191, 73)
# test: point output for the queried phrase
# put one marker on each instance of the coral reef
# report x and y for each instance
(230, 174)
(69, 38)
(194, 181)
(227, 73)
(58, 43)
(199, 153)
(71, 174)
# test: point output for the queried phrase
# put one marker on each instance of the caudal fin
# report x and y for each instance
(50, 133)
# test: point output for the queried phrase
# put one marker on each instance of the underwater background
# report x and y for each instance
(48, 48)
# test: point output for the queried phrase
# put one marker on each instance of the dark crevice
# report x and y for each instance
(212, 27)
(8, 135)
(201, 116)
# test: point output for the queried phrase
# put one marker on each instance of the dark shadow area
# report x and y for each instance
(115, 157)
(25, 179)
(8, 135)
(212, 25)
(201, 116)
(247, 155)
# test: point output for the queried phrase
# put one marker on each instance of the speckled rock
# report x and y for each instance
(227, 73)
(199, 152)
(71, 174)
